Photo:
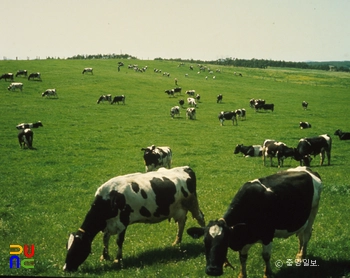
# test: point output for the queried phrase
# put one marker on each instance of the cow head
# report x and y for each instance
(78, 249)
(237, 149)
(217, 237)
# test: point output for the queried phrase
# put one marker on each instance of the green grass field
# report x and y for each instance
(46, 192)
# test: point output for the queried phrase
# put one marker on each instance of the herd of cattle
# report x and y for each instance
(285, 203)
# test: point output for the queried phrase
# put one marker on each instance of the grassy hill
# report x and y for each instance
(46, 192)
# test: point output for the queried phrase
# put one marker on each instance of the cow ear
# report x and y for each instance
(195, 232)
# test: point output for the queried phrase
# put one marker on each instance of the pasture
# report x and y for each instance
(46, 192)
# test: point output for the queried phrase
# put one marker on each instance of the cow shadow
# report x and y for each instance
(150, 257)
(322, 268)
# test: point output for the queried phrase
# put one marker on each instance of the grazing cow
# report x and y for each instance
(21, 72)
(104, 98)
(156, 157)
(241, 113)
(175, 111)
(303, 125)
(29, 125)
(7, 76)
(181, 102)
(34, 75)
(118, 99)
(264, 106)
(177, 90)
(191, 113)
(304, 104)
(321, 145)
(227, 115)
(279, 205)
(50, 93)
(169, 92)
(342, 135)
(135, 198)
(88, 70)
(15, 85)
(25, 138)
(272, 148)
(219, 98)
(252, 150)
(191, 92)
(198, 97)
(191, 102)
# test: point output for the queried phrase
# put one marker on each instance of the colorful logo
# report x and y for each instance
(15, 260)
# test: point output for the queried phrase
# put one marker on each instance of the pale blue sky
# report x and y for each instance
(290, 30)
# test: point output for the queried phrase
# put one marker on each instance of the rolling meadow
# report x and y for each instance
(46, 192)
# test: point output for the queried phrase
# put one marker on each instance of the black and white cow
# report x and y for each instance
(34, 75)
(304, 104)
(191, 113)
(191, 102)
(7, 76)
(198, 97)
(219, 98)
(25, 138)
(50, 93)
(304, 125)
(175, 111)
(191, 92)
(14, 86)
(342, 135)
(135, 198)
(279, 205)
(227, 115)
(156, 157)
(177, 90)
(104, 98)
(169, 92)
(321, 145)
(257, 102)
(88, 70)
(264, 107)
(241, 113)
(21, 72)
(118, 99)
(272, 148)
(29, 125)
(247, 151)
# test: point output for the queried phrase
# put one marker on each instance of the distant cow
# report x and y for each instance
(29, 125)
(272, 148)
(191, 92)
(252, 150)
(227, 115)
(88, 70)
(313, 146)
(257, 102)
(191, 113)
(342, 135)
(241, 113)
(50, 93)
(135, 198)
(191, 102)
(264, 107)
(198, 97)
(7, 76)
(279, 205)
(177, 90)
(25, 138)
(169, 92)
(304, 104)
(14, 86)
(34, 75)
(156, 157)
(118, 99)
(181, 102)
(174, 111)
(303, 125)
(104, 98)
(219, 98)
(21, 72)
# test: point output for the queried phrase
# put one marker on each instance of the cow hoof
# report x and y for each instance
(104, 258)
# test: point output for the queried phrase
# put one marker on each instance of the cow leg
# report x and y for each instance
(120, 241)
(243, 256)
(180, 228)
(322, 154)
(105, 255)
(266, 254)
